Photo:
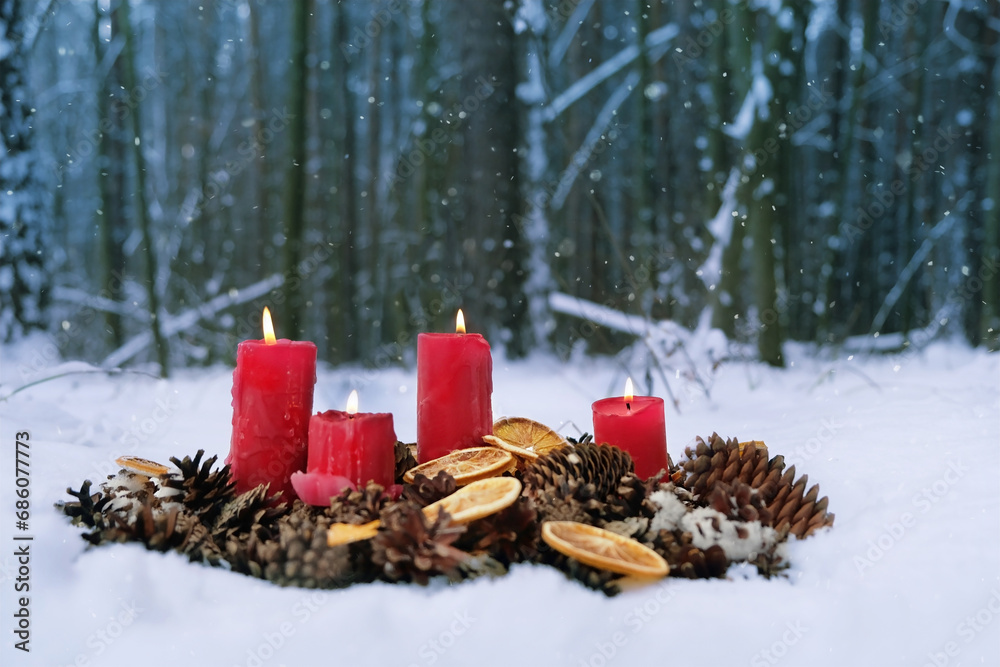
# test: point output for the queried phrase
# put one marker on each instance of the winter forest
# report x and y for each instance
(752, 246)
(780, 171)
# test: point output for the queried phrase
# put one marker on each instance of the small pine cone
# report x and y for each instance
(693, 563)
(509, 536)
(357, 507)
(630, 498)
(86, 510)
(591, 577)
(200, 489)
(408, 548)
(249, 509)
(601, 466)
(406, 459)
(425, 490)
(560, 507)
(175, 529)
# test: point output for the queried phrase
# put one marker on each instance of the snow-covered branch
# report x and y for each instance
(187, 319)
(608, 68)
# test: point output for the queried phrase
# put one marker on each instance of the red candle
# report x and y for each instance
(272, 400)
(356, 445)
(635, 424)
(454, 385)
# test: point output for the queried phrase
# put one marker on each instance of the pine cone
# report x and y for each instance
(424, 490)
(247, 512)
(591, 577)
(510, 536)
(687, 560)
(739, 502)
(558, 505)
(301, 557)
(796, 509)
(200, 489)
(174, 529)
(357, 507)
(86, 510)
(405, 459)
(408, 548)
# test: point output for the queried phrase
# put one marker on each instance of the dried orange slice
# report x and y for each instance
(603, 549)
(142, 466)
(345, 533)
(477, 499)
(524, 438)
(466, 465)
(759, 444)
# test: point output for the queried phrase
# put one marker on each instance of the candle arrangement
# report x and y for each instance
(334, 498)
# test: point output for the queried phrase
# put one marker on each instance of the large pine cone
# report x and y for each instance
(174, 529)
(716, 470)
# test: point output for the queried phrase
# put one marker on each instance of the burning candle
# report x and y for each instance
(272, 400)
(635, 424)
(454, 385)
(347, 449)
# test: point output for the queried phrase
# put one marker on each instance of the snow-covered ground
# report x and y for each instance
(905, 447)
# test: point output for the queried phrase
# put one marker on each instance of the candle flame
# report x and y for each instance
(629, 393)
(268, 327)
(352, 402)
(460, 322)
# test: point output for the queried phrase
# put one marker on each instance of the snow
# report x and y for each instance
(904, 446)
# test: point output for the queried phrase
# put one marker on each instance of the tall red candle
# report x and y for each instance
(357, 445)
(272, 401)
(636, 424)
(454, 386)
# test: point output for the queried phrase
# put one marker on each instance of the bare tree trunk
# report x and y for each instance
(341, 316)
(110, 179)
(295, 186)
(141, 208)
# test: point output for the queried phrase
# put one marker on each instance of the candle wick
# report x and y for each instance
(628, 406)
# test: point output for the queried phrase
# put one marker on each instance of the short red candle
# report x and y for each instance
(637, 426)
(454, 386)
(272, 401)
(360, 447)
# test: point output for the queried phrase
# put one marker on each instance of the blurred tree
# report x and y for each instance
(24, 281)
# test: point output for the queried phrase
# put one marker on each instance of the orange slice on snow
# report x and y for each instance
(477, 499)
(466, 465)
(142, 466)
(603, 549)
(345, 533)
(524, 438)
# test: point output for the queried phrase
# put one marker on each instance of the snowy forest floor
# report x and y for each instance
(906, 448)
